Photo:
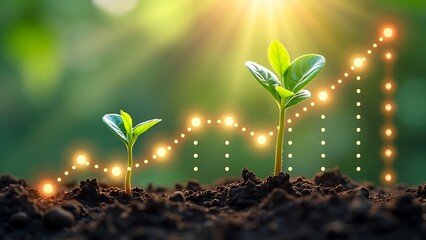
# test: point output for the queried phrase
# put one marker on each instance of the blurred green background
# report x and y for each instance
(63, 64)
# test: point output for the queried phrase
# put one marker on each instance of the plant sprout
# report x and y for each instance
(121, 126)
(287, 88)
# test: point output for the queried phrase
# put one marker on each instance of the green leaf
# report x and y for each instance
(114, 123)
(265, 77)
(298, 97)
(278, 57)
(302, 71)
(144, 126)
(284, 93)
(127, 121)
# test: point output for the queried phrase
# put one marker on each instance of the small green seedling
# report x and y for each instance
(121, 126)
(287, 88)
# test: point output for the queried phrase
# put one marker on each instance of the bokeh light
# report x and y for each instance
(323, 96)
(116, 171)
(261, 139)
(196, 122)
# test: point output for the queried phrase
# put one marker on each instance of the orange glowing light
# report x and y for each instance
(388, 86)
(161, 152)
(388, 107)
(196, 122)
(81, 159)
(358, 62)
(388, 56)
(261, 139)
(116, 171)
(48, 188)
(388, 32)
(229, 121)
(388, 132)
(323, 96)
(388, 177)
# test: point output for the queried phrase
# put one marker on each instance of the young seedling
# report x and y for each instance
(287, 88)
(121, 126)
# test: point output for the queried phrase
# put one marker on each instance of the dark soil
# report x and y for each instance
(330, 206)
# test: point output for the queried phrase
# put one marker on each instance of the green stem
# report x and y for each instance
(279, 147)
(127, 183)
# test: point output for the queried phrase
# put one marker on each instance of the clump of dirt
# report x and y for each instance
(331, 206)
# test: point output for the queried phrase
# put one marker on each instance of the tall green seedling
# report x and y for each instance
(121, 125)
(286, 88)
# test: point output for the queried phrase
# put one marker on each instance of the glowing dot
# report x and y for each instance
(161, 152)
(346, 74)
(48, 188)
(129, 169)
(369, 51)
(322, 116)
(219, 121)
(388, 56)
(182, 135)
(358, 142)
(352, 68)
(322, 129)
(358, 62)
(226, 142)
(358, 116)
(339, 81)
(358, 78)
(195, 169)
(381, 39)
(290, 129)
(154, 156)
(333, 87)
(59, 179)
(116, 171)
(388, 32)
(388, 86)
(196, 122)
(169, 148)
(81, 159)
(96, 166)
(73, 167)
(137, 165)
(358, 91)
(323, 96)
(243, 129)
(176, 141)
(312, 104)
(145, 161)
(364, 59)
(297, 115)
(322, 155)
(358, 155)
(290, 169)
(388, 107)
(322, 169)
(251, 133)
(209, 121)
(229, 121)
(261, 139)
(227, 155)
(288, 120)
(305, 109)
(66, 173)
(323, 142)
(388, 132)
(195, 155)
(195, 142)
(358, 104)
(235, 124)
(358, 169)
(388, 177)
(388, 152)
(105, 169)
(374, 45)
(290, 155)
(271, 133)
(189, 129)
(227, 169)
(290, 143)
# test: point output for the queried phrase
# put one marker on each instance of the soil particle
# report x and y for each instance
(57, 218)
(331, 206)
